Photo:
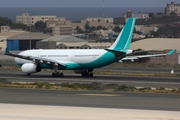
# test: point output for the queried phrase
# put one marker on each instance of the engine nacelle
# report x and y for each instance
(129, 52)
(29, 68)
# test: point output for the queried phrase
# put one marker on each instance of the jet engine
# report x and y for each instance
(29, 68)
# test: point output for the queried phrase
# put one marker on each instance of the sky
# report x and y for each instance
(85, 3)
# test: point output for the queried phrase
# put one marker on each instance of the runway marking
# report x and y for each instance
(104, 95)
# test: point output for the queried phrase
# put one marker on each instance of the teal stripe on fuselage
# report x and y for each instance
(106, 59)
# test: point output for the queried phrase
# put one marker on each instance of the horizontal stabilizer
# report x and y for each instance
(116, 53)
(171, 52)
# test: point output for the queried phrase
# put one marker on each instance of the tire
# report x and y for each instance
(27, 74)
(83, 74)
(53, 74)
(90, 74)
(87, 74)
(57, 74)
(61, 75)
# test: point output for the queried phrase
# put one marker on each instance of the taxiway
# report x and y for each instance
(18, 76)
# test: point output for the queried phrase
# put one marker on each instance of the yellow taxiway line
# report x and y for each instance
(104, 95)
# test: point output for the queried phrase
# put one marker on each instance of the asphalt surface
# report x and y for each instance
(145, 101)
(148, 101)
(18, 76)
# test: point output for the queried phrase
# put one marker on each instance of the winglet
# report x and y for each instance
(6, 51)
(171, 52)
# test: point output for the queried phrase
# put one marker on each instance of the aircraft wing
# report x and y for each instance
(38, 60)
(133, 57)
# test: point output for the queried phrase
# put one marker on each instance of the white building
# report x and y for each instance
(57, 22)
(27, 19)
(172, 8)
(63, 30)
(100, 19)
(60, 26)
(94, 21)
(4, 29)
(139, 15)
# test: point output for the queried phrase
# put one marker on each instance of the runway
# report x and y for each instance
(43, 112)
(18, 76)
(96, 99)
(34, 104)
(39, 104)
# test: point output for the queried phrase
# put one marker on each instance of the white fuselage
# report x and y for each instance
(82, 57)
(78, 56)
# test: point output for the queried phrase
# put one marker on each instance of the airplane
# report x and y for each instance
(82, 61)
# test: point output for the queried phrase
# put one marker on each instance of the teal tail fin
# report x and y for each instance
(123, 41)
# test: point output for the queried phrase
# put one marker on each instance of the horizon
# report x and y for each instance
(81, 7)
(75, 13)
(85, 3)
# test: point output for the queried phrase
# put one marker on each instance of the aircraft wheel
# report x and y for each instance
(53, 74)
(83, 75)
(87, 74)
(61, 75)
(90, 74)
(57, 74)
(28, 74)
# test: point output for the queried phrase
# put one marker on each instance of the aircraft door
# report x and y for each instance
(72, 56)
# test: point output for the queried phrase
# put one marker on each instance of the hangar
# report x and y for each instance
(5, 35)
(53, 41)
(69, 42)
(22, 41)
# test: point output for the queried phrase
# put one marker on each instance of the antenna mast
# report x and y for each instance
(102, 8)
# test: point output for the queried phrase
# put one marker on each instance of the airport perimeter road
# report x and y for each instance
(147, 101)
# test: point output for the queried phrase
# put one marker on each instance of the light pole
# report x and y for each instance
(30, 36)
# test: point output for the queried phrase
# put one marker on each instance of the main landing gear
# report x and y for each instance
(27, 74)
(57, 74)
(87, 74)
